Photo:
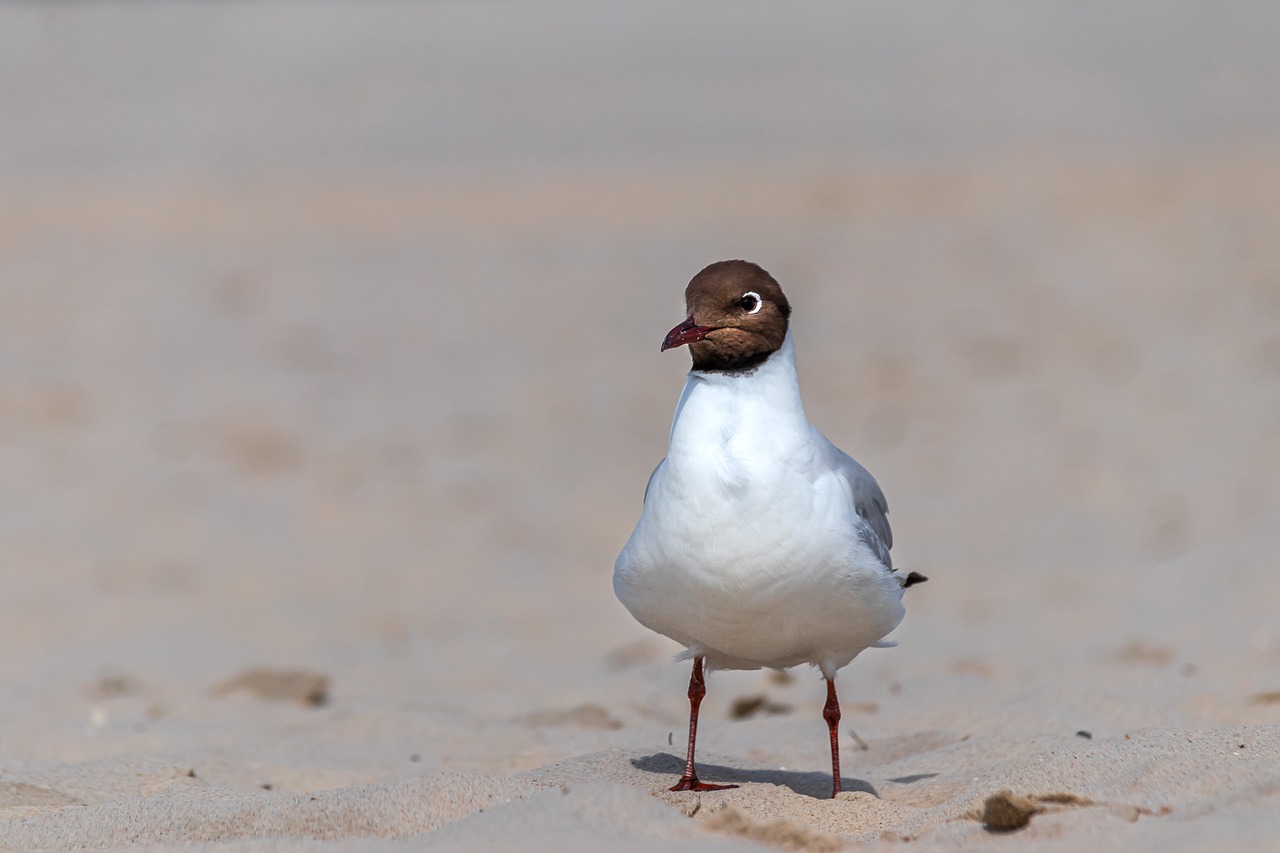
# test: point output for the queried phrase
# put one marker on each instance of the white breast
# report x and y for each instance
(747, 549)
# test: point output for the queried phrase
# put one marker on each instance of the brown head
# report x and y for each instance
(737, 317)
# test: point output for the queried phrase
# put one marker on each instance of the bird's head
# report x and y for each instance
(738, 317)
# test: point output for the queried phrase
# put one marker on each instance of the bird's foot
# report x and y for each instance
(692, 783)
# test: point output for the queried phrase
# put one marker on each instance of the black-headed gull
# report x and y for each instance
(760, 544)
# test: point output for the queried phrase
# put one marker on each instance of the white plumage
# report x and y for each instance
(760, 543)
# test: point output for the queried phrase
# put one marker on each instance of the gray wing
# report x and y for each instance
(870, 504)
(658, 468)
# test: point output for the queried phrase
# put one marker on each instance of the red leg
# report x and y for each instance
(697, 689)
(831, 713)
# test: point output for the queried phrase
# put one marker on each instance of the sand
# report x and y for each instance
(330, 388)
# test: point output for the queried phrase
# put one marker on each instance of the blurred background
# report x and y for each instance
(329, 338)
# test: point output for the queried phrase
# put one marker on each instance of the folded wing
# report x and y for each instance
(870, 504)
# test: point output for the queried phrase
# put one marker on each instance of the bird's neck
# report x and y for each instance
(763, 400)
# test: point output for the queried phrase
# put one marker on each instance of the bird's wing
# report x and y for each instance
(870, 504)
(649, 484)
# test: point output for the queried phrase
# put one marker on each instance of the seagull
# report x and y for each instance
(760, 544)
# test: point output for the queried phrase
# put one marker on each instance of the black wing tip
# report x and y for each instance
(913, 578)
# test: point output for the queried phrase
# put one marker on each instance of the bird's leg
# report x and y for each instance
(697, 689)
(831, 713)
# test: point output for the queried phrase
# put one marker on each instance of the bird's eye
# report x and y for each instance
(750, 302)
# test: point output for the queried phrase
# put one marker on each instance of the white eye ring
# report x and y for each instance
(751, 294)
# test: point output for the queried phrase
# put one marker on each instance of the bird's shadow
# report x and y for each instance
(817, 785)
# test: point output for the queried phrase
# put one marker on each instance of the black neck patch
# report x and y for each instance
(735, 365)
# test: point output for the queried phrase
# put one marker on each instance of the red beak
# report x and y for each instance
(686, 333)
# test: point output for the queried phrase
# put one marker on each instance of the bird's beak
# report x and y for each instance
(686, 333)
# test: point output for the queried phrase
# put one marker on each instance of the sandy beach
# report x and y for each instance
(330, 387)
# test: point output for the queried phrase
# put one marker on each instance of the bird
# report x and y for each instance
(760, 543)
